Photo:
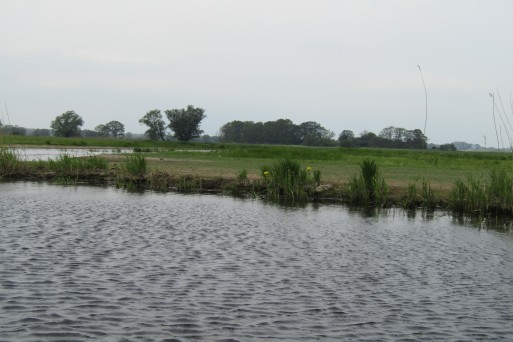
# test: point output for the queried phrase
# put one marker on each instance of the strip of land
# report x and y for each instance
(223, 165)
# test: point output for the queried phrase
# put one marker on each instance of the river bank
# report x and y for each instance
(413, 179)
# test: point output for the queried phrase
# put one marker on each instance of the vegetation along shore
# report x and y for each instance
(464, 182)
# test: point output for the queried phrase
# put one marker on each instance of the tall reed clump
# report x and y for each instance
(287, 180)
(369, 187)
(479, 196)
(131, 174)
(10, 163)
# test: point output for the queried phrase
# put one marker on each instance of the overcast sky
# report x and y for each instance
(346, 64)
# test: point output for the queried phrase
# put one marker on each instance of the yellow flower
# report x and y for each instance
(308, 168)
(266, 173)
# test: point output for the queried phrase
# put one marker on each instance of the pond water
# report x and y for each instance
(44, 154)
(93, 263)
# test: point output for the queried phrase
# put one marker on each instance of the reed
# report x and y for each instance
(411, 200)
(135, 166)
(369, 187)
(500, 191)
(66, 164)
(188, 183)
(428, 197)
(9, 162)
(425, 197)
(131, 174)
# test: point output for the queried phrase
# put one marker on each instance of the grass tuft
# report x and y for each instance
(369, 187)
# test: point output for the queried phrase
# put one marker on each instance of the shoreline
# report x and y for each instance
(412, 179)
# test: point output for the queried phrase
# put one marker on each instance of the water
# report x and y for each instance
(92, 263)
(44, 154)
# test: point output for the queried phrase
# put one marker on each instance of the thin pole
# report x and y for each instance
(492, 95)
(8, 118)
(425, 92)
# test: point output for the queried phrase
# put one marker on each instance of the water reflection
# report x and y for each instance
(91, 263)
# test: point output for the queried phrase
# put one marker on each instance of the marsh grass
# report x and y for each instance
(66, 164)
(134, 166)
(287, 180)
(9, 162)
(188, 183)
(368, 188)
(131, 174)
(484, 196)
(424, 198)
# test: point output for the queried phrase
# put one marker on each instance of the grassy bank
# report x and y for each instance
(412, 178)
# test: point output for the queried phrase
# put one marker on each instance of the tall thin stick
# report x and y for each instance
(8, 118)
(425, 92)
(492, 95)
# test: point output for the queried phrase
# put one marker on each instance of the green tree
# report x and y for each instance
(185, 122)
(115, 128)
(156, 126)
(67, 124)
(102, 130)
(281, 131)
(313, 134)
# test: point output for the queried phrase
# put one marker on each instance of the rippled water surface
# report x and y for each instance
(87, 263)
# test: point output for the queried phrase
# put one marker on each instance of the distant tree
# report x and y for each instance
(387, 133)
(13, 130)
(346, 135)
(67, 124)
(185, 122)
(41, 132)
(88, 133)
(115, 128)
(281, 131)
(461, 145)
(102, 130)
(313, 134)
(346, 138)
(418, 140)
(1, 123)
(447, 147)
(156, 126)
(233, 131)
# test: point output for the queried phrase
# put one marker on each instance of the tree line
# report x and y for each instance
(185, 125)
(310, 133)
(282, 131)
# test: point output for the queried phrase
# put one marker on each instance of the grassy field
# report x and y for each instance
(337, 165)
(399, 168)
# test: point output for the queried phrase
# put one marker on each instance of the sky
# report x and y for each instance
(346, 64)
